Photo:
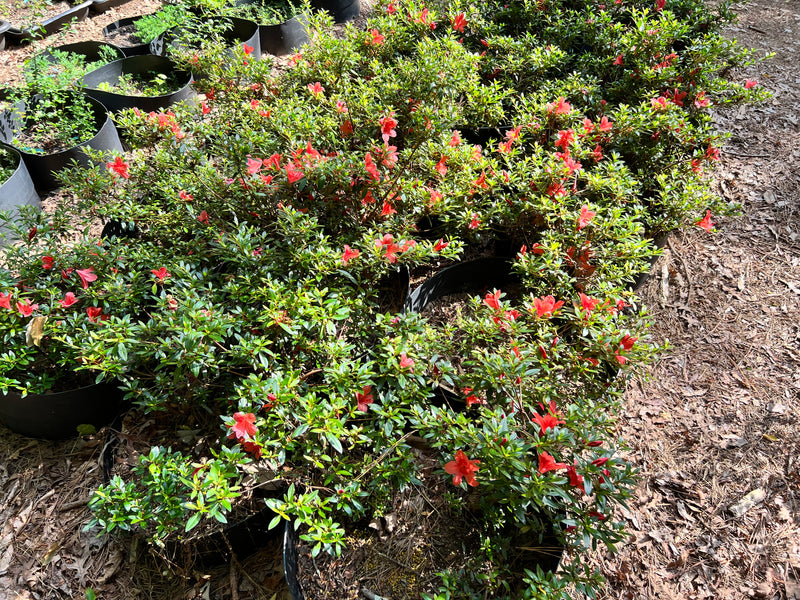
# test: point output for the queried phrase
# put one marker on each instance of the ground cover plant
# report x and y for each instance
(260, 220)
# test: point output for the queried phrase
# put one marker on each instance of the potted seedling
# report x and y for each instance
(40, 18)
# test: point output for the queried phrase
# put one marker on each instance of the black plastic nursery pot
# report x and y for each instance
(340, 10)
(57, 416)
(235, 32)
(49, 26)
(136, 65)
(4, 26)
(100, 6)
(91, 50)
(467, 276)
(285, 38)
(43, 167)
(18, 190)
(123, 34)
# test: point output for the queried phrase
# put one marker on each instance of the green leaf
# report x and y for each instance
(193, 521)
(334, 441)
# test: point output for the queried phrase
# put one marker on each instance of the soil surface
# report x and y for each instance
(713, 427)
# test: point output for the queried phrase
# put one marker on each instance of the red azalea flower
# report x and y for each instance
(750, 83)
(293, 174)
(618, 60)
(349, 254)
(585, 217)
(575, 480)
(160, 273)
(244, 426)
(441, 166)
(565, 138)
(204, 108)
(254, 165)
(605, 125)
(25, 307)
(559, 107)
(597, 153)
(492, 300)
(548, 463)
(87, 276)
(387, 209)
(480, 182)
(47, 262)
(253, 448)
(316, 88)
(69, 300)
(388, 125)
(660, 4)
(5, 300)
(706, 222)
(119, 166)
(475, 222)
(659, 103)
(95, 313)
(440, 245)
(588, 304)
(406, 363)
(185, 196)
(364, 399)
(203, 217)
(546, 306)
(371, 167)
(455, 140)
(459, 22)
(627, 342)
(391, 9)
(548, 421)
(462, 468)
(377, 38)
(248, 49)
(346, 128)
(701, 101)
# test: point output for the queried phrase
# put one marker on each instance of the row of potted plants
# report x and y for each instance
(39, 21)
(249, 283)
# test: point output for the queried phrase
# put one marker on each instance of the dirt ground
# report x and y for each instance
(713, 429)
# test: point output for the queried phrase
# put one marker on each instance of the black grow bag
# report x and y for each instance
(90, 50)
(100, 6)
(468, 276)
(123, 34)
(49, 26)
(57, 416)
(340, 10)
(43, 167)
(111, 73)
(18, 190)
(285, 38)
(4, 26)
(236, 33)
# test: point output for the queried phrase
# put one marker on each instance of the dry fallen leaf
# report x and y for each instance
(34, 332)
(757, 496)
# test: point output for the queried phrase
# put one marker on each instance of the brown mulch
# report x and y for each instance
(713, 429)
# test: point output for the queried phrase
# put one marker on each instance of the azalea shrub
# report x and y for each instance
(259, 241)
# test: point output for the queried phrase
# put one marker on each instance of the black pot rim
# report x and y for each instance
(128, 61)
(134, 49)
(54, 23)
(57, 415)
(76, 47)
